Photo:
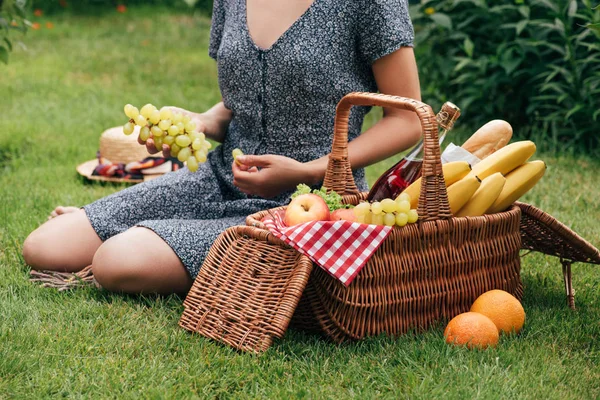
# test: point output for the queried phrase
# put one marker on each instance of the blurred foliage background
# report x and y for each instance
(534, 63)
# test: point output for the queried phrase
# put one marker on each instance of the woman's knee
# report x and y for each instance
(67, 242)
(32, 250)
(138, 260)
(116, 263)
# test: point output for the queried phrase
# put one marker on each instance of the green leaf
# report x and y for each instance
(560, 26)
(525, 11)
(469, 46)
(462, 63)
(594, 27)
(442, 19)
(573, 111)
(521, 25)
(9, 44)
(572, 10)
(3, 55)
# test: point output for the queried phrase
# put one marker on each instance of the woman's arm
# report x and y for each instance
(398, 130)
(395, 74)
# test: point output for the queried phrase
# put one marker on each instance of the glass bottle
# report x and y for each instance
(408, 169)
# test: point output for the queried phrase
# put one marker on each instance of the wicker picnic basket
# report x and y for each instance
(422, 273)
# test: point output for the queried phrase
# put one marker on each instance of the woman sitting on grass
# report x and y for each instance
(283, 67)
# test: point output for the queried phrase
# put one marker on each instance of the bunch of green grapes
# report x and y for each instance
(387, 212)
(174, 129)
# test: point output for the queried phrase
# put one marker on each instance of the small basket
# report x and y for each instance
(422, 273)
(247, 289)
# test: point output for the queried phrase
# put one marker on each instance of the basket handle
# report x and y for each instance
(433, 200)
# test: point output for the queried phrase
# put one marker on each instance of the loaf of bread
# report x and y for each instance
(489, 138)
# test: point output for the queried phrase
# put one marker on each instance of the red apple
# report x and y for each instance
(304, 208)
(346, 214)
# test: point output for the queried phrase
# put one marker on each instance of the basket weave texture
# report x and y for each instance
(423, 273)
(247, 289)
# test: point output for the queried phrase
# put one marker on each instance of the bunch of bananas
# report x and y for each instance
(492, 185)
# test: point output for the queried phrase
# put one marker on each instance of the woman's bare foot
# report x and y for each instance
(60, 210)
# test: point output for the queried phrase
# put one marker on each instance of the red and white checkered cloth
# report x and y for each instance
(341, 248)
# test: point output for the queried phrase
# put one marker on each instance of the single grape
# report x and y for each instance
(169, 140)
(165, 124)
(174, 148)
(183, 140)
(377, 219)
(190, 126)
(192, 164)
(389, 205)
(401, 219)
(196, 144)
(176, 118)
(144, 133)
(173, 130)
(389, 219)
(186, 119)
(413, 216)
(200, 155)
(368, 217)
(128, 108)
(165, 114)
(128, 128)
(403, 196)
(154, 118)
(403, 206)
(184, 154)
(147, 110)
(133, 112)
(156, 131)
(376, 208)
(362, 208)
(360, 219)
(207, 144)
(180, 126)
(141, 121)
(236, 153)
(158, 142)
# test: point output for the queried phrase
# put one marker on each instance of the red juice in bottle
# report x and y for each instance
(406, 171)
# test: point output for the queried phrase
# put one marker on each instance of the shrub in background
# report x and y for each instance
(533, 63)
(12, 20)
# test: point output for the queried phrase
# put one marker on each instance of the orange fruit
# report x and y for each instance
(471, 329)
(502, 308)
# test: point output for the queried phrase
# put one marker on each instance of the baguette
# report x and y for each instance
(489, 138)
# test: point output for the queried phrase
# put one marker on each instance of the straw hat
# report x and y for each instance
(120, 148)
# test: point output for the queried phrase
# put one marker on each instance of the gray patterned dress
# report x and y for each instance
(283, 101)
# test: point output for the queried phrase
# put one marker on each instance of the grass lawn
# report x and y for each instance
(55, 100)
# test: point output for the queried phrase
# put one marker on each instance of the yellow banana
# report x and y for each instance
(518, 182)
(453, 172)
(484, 197)
(504, 160)
(460, 192)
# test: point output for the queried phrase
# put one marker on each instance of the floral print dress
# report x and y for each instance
(283, 101)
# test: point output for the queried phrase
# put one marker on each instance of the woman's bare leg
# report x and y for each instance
(65, 243)
(139, 261)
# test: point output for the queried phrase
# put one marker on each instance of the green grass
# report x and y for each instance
(57, 97)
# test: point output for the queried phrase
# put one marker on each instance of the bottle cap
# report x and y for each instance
(448, 115)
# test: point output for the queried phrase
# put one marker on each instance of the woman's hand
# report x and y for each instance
(166, 149)
(269, 175)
